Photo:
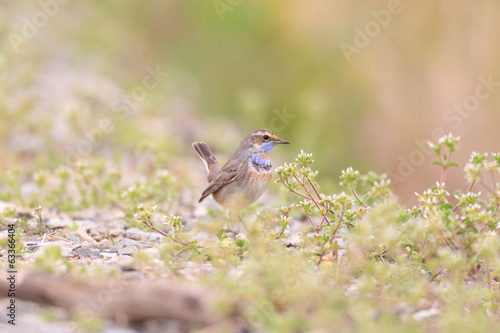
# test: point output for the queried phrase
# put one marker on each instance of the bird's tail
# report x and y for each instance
(208, 157)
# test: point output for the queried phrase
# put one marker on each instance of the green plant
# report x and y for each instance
(328, 214)
(444, 149)
(39, 220)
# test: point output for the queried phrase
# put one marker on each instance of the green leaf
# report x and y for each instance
(446, 206)
(455, 164)
(184, 250)
(240, 242)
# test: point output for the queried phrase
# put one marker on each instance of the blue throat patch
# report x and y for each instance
(260, 163)
(268, 146)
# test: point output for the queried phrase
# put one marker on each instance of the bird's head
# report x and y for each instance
(262, 141)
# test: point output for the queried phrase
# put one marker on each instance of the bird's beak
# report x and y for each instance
(282, 142)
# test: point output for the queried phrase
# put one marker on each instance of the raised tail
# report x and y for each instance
(208, 157)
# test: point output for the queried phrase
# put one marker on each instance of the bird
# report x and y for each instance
(245, 176)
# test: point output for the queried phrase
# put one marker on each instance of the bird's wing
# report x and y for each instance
(226, 175)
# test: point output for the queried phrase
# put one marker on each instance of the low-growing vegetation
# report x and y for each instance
(354, 261)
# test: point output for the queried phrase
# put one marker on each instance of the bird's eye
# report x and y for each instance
(266, 137)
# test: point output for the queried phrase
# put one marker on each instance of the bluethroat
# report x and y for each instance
(245, 176)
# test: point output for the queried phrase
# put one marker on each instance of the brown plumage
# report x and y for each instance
(245, 176)
(206, 155)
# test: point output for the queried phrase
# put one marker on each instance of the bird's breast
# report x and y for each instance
(260, 163)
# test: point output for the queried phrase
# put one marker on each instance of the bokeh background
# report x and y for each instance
(357, 83)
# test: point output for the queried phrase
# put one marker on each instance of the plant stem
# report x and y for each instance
(307, 191)
(289, 187)
(353, 191)
(314, 188)
(443, 175)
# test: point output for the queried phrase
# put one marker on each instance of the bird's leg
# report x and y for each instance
(234, 218)
(230, 225)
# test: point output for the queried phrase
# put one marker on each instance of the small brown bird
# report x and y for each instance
(245, 176)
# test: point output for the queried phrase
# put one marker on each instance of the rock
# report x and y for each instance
(125, 262)
(106, 243)
(59, 222)
(82, 233)
(86, 252)
(138, 234)
(116, 232)
(128, 246)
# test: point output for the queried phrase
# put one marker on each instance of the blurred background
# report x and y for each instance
(357, 83)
